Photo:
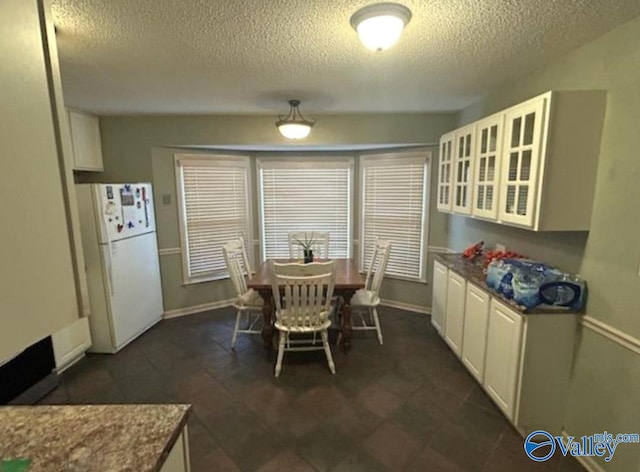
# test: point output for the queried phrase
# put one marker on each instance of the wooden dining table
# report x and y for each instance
(348, 280)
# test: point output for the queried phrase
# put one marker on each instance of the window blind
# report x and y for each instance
(214, 209)
(305, 196)
(393, 208)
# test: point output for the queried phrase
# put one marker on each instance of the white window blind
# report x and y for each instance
(305, 196)
(214, 208)
(393, 208)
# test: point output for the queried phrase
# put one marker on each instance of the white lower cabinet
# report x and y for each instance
(474, 337)
(503, 356)
(439, 299)
(454, 312)
(523, 361)
(178, 458)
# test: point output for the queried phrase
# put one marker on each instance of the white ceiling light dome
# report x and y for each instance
(380, 25)
(294, 130)
(294, 125)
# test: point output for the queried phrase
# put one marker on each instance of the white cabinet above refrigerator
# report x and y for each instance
(87, 144)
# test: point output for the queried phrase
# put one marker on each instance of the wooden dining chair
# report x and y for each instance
(302, 295)
(248, 302)
(319, 244)
(368, 299)
(320, 248)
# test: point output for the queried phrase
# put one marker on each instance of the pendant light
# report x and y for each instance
(380, 25)
(294, 125)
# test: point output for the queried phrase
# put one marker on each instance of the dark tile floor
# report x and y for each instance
(408, 405)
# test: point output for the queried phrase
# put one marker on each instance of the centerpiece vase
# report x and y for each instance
(308, 256)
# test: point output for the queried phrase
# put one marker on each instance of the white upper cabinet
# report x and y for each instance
(487, 166)
(532, 165)
(87, 145)
(519, 169)
(463, 170)
(445, 172)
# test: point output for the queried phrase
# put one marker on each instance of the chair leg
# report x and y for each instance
(327, 351)
(281, 342)
(235, 329)
(376, 321)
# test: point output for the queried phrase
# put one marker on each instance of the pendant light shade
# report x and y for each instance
(379, 26)
(294, 125)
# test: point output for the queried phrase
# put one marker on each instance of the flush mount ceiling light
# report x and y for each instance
(294, 125)
(379, 26)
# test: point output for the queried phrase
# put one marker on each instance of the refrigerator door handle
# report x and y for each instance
(107, 263)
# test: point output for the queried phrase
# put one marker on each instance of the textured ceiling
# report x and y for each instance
(250, 56)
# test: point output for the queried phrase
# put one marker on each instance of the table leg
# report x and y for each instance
(267, 317)
(345, 340)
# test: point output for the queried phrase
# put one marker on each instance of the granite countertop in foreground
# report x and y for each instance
(87, 438)
(474, 273)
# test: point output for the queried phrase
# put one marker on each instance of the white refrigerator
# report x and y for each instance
(121, 256)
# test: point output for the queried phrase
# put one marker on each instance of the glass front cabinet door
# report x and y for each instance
(487, 166)
(445, 172)
(463, 170)
(520, 163)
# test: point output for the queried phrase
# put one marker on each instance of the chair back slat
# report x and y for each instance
(302, 293)
(319, 246)
(378, 266)
(237, 261)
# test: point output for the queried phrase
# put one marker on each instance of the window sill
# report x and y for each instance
(403, 279)
(200, 280)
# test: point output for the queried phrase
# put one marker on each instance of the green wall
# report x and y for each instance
(141, 148)
(127, 140)
(606, 382)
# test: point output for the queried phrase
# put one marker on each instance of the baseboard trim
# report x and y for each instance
(611, 333)
(425, 310)
(587, 462)
(192, 310)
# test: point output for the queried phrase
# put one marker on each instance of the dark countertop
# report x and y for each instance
(87, 438)
(474, 273)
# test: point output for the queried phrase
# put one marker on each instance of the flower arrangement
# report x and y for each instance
(307, 246)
